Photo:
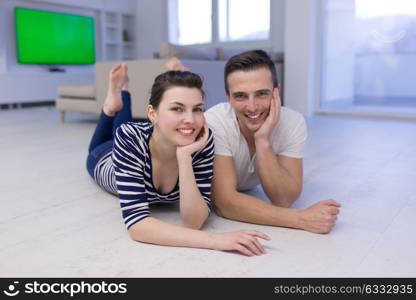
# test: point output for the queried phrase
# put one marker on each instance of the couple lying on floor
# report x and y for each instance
(183, 154)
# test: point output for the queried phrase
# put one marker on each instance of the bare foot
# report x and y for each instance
(118, 81)
(125, 84)
(175, 64)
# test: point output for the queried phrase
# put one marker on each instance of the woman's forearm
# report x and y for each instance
(154, 231)
(193, 209)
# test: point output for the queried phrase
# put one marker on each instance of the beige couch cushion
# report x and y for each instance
(81, 105)
(81, 90)
(187, 52)
(227, 53)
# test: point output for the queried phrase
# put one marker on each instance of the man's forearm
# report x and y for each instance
(277, 182)
(246, 208)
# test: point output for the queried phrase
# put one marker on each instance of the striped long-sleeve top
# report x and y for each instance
(127, 172)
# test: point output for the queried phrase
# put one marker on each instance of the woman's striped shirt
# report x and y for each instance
(126, 172)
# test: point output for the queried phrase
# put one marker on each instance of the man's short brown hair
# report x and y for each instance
(247, 61)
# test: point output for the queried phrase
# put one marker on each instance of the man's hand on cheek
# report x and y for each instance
(262, 135)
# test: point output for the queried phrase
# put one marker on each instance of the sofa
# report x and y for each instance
(77, 97)
(208, 63)
(219, 54)
(89, 98)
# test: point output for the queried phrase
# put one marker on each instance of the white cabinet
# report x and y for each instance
(118, 36)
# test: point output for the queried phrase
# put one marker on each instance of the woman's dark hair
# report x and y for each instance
(247, 61)
(170, 79)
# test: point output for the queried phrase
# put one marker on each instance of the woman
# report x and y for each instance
(168, 159)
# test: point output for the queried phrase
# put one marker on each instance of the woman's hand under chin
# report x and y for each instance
(199, 143)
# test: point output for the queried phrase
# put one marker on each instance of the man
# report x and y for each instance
(258, 141)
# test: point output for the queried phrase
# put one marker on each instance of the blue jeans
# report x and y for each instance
(103, 138)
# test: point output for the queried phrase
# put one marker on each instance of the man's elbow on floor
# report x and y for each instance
(193, 225)
(223, 206)
(286, 201)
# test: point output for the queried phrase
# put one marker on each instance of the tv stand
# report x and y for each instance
(55, 69)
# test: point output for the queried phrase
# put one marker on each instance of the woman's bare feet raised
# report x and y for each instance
(173, 63)
(118, 81)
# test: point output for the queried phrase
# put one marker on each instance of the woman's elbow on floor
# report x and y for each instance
(133, 235)
(135, 232)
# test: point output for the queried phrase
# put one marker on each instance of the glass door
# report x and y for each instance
(368, 60)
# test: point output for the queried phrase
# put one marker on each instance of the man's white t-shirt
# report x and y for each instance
(288, 139)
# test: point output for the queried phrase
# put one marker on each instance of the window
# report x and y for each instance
(383, 8)
(211, 21)
(243, 20)
(369, 56)
(193, 21)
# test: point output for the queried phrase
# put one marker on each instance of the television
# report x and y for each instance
(46, 37)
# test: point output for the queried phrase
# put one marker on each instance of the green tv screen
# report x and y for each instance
(45, 37)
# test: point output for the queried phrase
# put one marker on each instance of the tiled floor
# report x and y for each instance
(55, 222)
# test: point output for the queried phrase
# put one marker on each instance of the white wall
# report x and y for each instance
(151, 22)
(300, 55)
(277, 24)
(28, 83)
(3, 24)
